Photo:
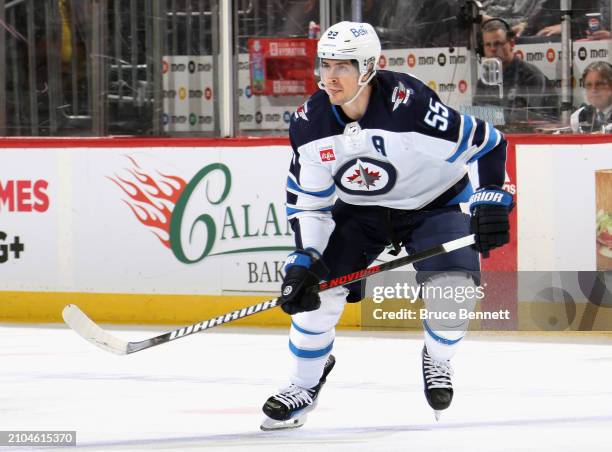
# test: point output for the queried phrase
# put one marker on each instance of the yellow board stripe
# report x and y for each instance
(145, 309)
(140, 309)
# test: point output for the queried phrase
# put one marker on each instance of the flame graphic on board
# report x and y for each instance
(151, 199)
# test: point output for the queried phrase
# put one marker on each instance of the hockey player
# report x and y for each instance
(378, 159)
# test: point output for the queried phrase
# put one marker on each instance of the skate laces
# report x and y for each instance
(437, 373)
(295, 396)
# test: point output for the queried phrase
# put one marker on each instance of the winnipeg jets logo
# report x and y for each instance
(400, 95)
(363, 176)
(301, 111)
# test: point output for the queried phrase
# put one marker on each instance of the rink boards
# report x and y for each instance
(178, 230)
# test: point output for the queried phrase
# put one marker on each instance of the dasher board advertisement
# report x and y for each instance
(145, 220)
(564, 202)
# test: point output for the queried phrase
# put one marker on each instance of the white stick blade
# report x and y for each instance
(90, 331)
(459, 243)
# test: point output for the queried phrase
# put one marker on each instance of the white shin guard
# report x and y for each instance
(446, 298)
(311, 338)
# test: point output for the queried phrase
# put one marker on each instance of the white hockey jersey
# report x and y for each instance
(409, 151)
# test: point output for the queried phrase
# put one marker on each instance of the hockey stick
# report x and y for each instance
(89, 330)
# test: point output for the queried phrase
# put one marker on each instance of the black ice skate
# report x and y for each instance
(289, 408)
(437, 383)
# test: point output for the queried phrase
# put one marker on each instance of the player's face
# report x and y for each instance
(341, 80)
(497, 45)
(598, 90)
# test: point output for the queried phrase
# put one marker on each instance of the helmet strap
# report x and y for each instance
(361, 88)
(362, 85)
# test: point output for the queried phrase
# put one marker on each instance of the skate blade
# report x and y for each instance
(437, 414)
(270, 424)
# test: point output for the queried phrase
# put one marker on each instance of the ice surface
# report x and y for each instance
(204, 392)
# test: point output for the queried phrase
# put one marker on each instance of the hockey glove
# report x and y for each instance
(490, 207)
(303, 270)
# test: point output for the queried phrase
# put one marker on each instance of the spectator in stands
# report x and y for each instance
(596, 117)
(417, 23)
(518, 13)
(296, 16)
(527, 93)
(584, 24)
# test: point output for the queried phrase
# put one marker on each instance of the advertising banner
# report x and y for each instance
(558, 214)
(282, 66)
(31, 226)
(188, 94)
(444, 70)
(262, 112)
(130, 227)
(149, 220)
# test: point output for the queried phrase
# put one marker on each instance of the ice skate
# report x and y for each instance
(438, 386)
(289, 408)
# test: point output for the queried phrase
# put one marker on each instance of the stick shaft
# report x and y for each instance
(325, 285)
(88, 329)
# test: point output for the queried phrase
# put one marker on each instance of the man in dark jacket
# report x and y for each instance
(527, 93)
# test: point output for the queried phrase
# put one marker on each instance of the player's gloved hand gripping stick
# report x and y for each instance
(89, 330)
(303, 271)
(490, 208)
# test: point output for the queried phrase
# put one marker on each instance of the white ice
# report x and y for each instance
(204, 392)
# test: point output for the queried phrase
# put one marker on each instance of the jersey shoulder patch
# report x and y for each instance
(417, 108)
(301, 112)
(400, 89)
(311, 107)
(311, 120)
(401, 95)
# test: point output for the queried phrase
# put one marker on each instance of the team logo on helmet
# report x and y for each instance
(361, 31)
(301, 111)
(366, 176)
(400, 95)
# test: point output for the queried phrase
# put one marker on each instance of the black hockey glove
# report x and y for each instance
(490, 207)
(303, 270)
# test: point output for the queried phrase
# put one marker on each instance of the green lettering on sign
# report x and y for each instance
(179, 211)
